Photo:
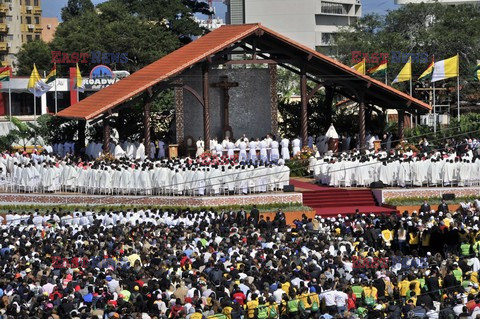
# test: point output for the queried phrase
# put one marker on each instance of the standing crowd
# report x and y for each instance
(230, 264)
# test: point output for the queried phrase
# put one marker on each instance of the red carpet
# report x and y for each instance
(330, 201)
(309, 186)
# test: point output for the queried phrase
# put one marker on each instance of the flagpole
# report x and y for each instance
(434, 111)
(10, 98)
(411, 94)
(458, 97)
(56, 104)
(34, 104)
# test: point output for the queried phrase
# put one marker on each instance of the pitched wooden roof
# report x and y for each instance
(202, 48)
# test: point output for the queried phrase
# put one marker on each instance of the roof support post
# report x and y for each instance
(206, 107)
(361, 122)
(146, 127)
(401, 124)
(106, 135)
(81, 126)
(146, 122)
(304, 110)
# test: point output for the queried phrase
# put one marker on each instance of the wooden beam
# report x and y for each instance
(194, 93)
(255, 61)
(314, 90)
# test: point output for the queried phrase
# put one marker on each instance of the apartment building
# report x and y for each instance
(310, 22)
(20, 22)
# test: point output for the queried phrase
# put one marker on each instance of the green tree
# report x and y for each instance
(75, 8)
(438, 30)
(37, 52)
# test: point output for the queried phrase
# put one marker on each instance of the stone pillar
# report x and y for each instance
(146, 127)
(206, 108)
(304, 111)
(273, 98)
(106, 135)
(179, 120)
(362, 136)
(401, 124)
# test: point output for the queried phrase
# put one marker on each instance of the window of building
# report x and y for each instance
(29, 37)
(29, 19)
(327, 38)
(37, 20)
(333, 8)
(9, 18)
(10, 37)
(35, 3)
(37, 36)
(28, 3)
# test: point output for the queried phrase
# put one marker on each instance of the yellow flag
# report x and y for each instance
(445, 69)
(406, 72)
(34, 78)
(78, 80)
(360, 67)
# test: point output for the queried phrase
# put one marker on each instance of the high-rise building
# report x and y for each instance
(20, 22)
(310, 22)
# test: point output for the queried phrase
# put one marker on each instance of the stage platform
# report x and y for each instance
(384, 194)
(71, 199)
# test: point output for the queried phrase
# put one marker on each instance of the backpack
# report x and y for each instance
(314, 307)
(262, 312)
(273, 312)
(292, 306)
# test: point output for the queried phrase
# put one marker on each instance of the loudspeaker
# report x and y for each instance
(377, 185)
(288, 188)
(448, 196)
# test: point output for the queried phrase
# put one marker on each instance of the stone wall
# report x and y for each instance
(249, 107)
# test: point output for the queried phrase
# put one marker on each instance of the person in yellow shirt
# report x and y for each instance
(251, 306)
(305, 298)
(416, 284)
(370, 294)
(387, 236)
(403, 287)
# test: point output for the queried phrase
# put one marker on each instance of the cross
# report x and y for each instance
(225, 85)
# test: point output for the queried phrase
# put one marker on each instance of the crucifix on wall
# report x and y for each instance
(226, 86)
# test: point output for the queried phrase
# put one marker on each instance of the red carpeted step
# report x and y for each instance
(334, 211)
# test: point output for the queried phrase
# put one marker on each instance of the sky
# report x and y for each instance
(52, 8)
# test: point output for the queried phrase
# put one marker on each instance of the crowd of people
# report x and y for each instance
(435, 168)
(202, 176)
(230, 264)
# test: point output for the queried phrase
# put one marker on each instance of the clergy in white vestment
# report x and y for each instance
(274, 153)
(140, 155)
(219, 149)
(263, 151)
(200, 147)
(118, 152)
(296, 146)
(285, 152)
(242, 156)
(230, 149)
(215, 180)
(252, 154)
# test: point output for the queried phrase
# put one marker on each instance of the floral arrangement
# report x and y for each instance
(304, 154)
(406, 147)
(106, 157)
(299, 162)
(207, 158)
